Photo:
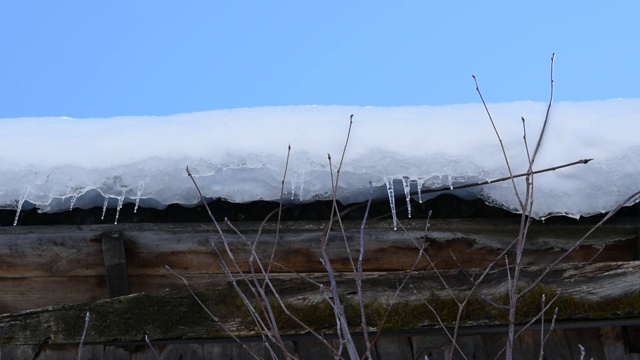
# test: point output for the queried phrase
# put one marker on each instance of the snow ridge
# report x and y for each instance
(57, 164)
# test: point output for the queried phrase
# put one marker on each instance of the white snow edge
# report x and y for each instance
(239, 154)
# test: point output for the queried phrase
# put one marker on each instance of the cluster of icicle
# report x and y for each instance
(297, 188)
(406, 185)
(121, 197)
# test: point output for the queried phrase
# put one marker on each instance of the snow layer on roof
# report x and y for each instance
(59, 163)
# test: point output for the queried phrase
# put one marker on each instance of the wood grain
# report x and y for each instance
(53, 265)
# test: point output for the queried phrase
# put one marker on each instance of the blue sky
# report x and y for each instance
(101, 59)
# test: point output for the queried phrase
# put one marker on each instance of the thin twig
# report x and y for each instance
(146, 338)
(341, 321)
(271, 331)
(284, 176)
(454, 343)
(259, 291)
(547, 115)
(504, 152)
(559, 292)
(542, 301)
(526, 207)
(506, 260)
(553, 323)
(486, 271)
(264, 299)
(365, 329)
(84, 333)
(580, 241)
(462, 304)
(502, 179)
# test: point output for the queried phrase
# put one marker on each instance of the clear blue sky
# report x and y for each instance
(108, 58)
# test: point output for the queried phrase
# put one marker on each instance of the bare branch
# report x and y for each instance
(275, 244)
(84, 333)
(155, 353)
(365, 328)
(542, 302)
(504, 152)
(546, 117)
(341, 320)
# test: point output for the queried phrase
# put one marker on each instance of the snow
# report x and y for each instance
(56, 164)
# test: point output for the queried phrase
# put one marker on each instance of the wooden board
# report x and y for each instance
(606, 291)
(54, 265)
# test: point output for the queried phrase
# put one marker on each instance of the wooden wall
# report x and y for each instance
(66, 270)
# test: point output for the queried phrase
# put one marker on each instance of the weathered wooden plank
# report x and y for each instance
(51, 265)
(64, 250)
(50, 251)
(597, 291)
(115, 263)
(19, 294)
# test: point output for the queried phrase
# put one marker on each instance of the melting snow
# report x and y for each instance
(56, 164)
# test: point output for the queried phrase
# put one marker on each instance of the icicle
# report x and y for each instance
(407, 192)
(68, 193)
(73, 201)
(120, 201)
(293, 187)
(104, 207)
(420, 183)
(392, 201)
(138, 195)
(23, 197)
(450, 180)
(301, 186)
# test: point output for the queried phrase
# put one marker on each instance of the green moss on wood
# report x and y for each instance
(156, 316)
(181, 316)
(410, 315)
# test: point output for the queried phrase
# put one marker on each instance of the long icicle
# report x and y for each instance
(392, 201)
(23, 197)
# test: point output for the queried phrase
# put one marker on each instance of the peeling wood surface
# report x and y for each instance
(52, 265)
